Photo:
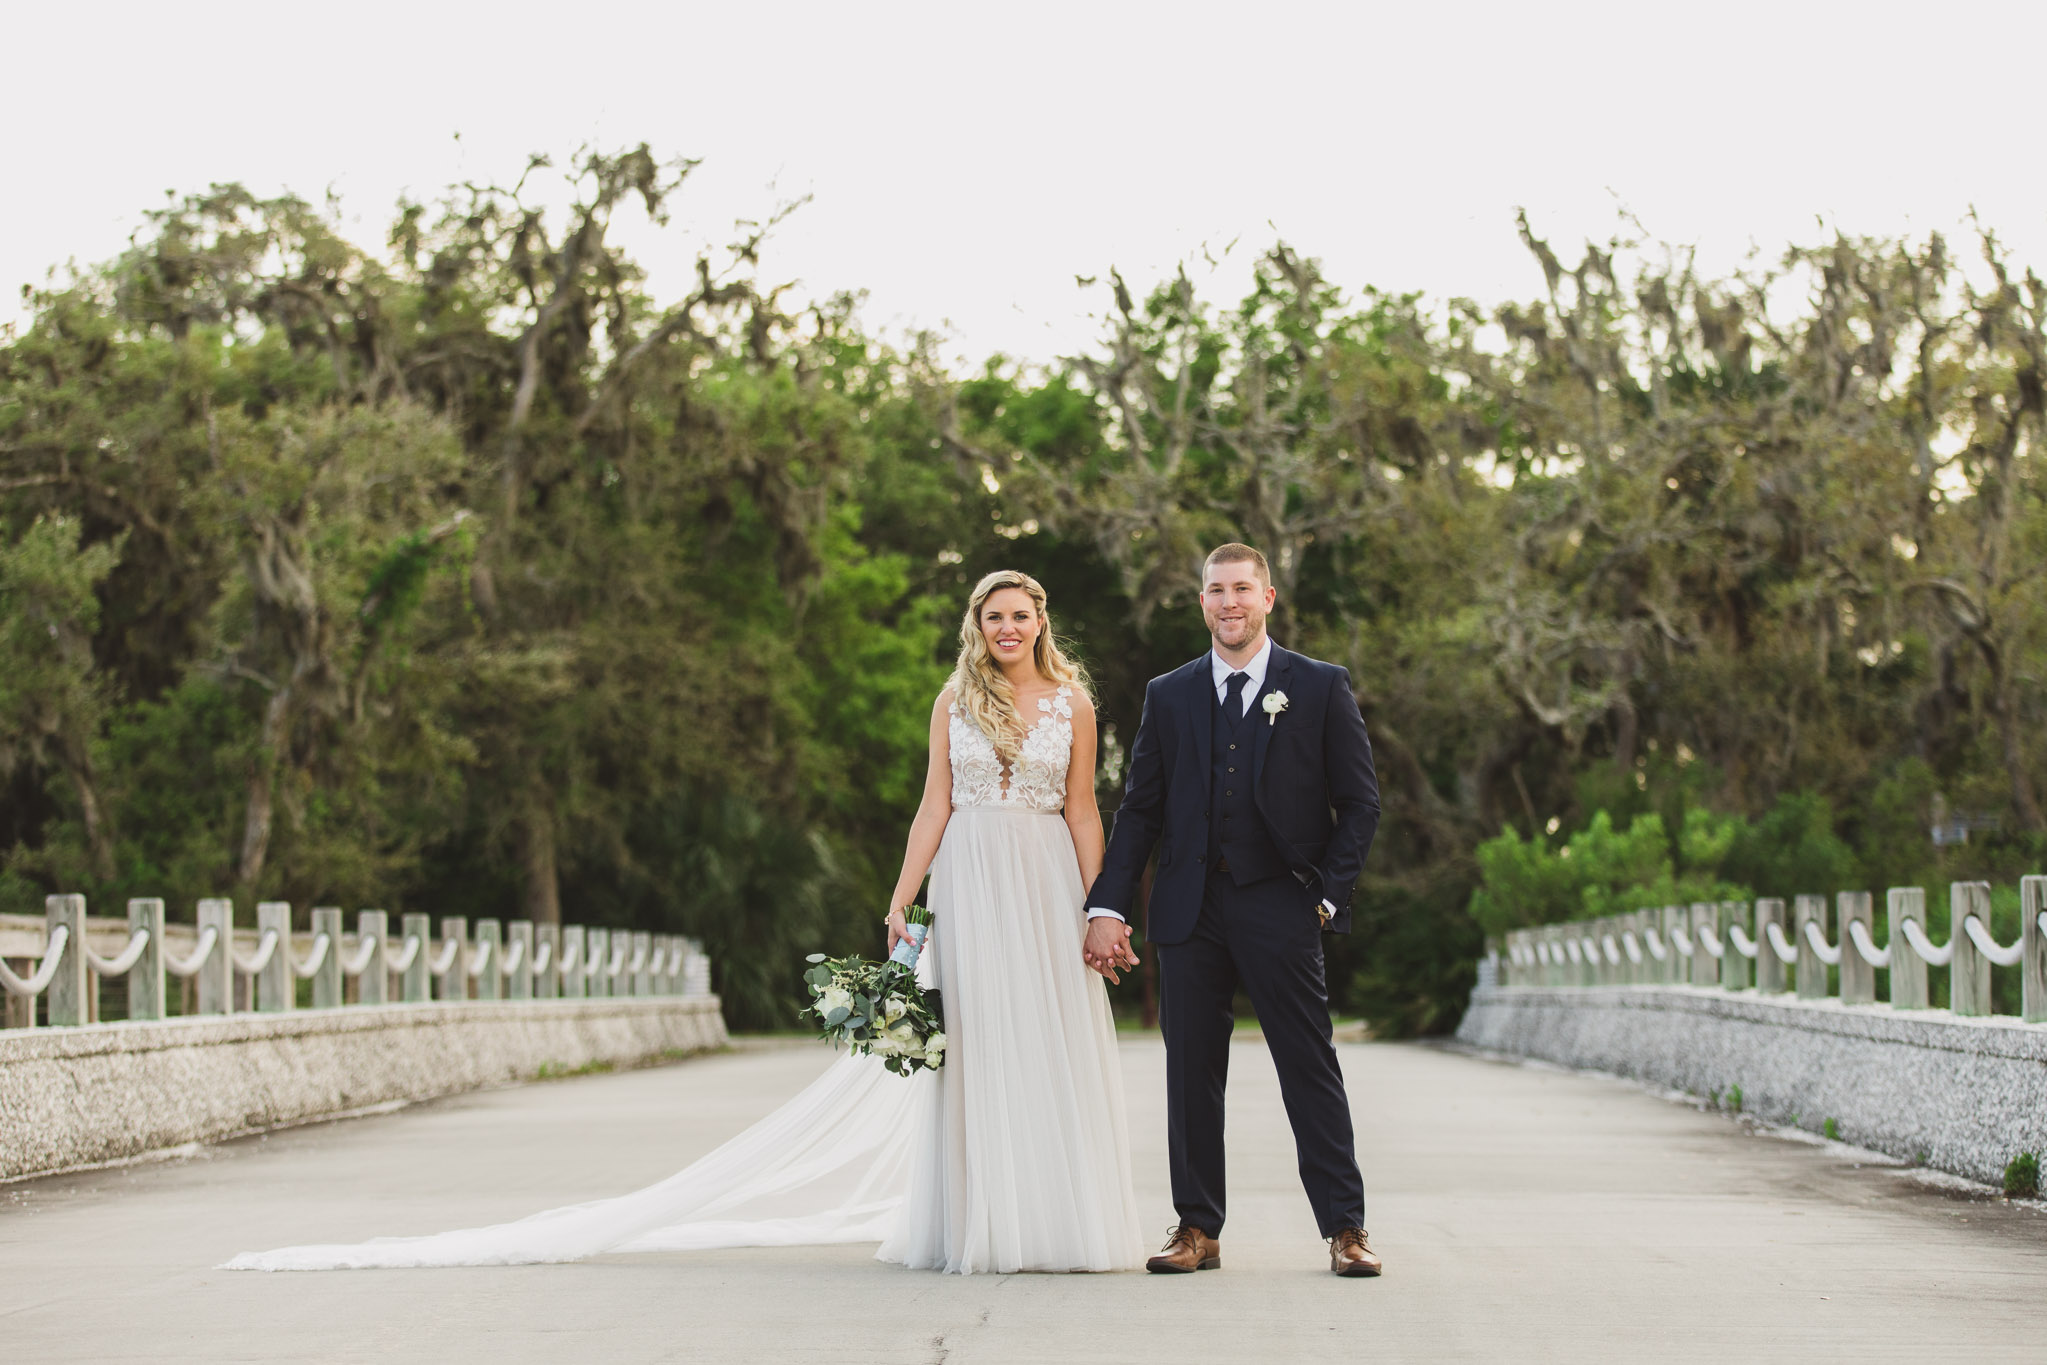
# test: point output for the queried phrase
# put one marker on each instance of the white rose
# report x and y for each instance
(833, 998)
(1275, 702)
(894, 1009)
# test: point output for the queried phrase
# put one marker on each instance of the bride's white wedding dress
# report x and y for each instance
(1014, 1155)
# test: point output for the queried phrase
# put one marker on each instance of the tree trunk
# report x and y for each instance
(2004, 710)
(543, 885)
(262, 793)
(78, 766)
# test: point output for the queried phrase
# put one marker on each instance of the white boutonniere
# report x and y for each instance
(1275, 702)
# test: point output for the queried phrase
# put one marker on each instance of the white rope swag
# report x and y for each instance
(1724, 945)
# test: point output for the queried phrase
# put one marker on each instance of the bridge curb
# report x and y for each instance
(101, 1093)
(1962, 1095)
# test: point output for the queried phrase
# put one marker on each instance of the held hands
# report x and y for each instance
(1107, 947)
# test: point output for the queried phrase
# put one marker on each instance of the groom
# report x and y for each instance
(1252, 775)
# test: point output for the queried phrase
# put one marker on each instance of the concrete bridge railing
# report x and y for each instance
(1775, 1015)
(1721, 945)
(224, 970)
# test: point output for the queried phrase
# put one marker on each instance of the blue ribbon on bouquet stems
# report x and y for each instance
(917, 922)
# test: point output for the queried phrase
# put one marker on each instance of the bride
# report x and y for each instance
(1014, 1155)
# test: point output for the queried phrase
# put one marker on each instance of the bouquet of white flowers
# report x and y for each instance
(877, 1007)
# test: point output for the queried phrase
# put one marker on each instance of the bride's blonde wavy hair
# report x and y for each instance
(978, 684)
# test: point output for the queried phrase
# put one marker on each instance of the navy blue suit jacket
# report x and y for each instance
(1312, 777)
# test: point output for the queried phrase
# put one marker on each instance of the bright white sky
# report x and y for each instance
(967, 161)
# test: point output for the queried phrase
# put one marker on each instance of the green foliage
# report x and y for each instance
(464, 574)
(1599, 871)
(2022, 1176)
(1792, 849)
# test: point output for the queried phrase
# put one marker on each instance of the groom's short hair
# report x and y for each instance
(1236, 553)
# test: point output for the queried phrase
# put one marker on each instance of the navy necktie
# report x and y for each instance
(1233, 695)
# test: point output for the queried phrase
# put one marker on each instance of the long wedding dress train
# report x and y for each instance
(1014, 1155)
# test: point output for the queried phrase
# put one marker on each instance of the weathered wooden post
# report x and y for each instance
(490, 956)
(217, 972)
(519, 985)
(327, 981)
(146, 977)
(2033, 950)
(1858, 978)
(1734, 964)
(416, 982)
(1969, 973)
(455, 981)
(1908, 969)
(373, 987)
(643, 954)
(1769, 967)
(1812, 969)
(699, 968)
(575, 977)
(276, 989)
(1676, 925)
(597, 945)
(1705, 925)
(66, 993)
(547, 978)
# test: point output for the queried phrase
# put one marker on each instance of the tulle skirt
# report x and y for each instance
(1022, 1160)
(1015, 1155)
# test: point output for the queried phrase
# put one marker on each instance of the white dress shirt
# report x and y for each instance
(1254, 671)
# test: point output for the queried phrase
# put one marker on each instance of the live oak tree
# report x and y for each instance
(464, 572)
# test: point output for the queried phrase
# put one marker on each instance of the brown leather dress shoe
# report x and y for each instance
(1350, 1254)
(1188, 1249)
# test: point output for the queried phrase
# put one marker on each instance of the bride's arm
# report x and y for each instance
(1083, 816)
(929, 826)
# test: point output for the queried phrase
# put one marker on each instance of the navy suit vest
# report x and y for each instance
(1235, 830)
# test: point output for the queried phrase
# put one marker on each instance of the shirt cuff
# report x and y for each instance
(1097, 912)
(1327, 906)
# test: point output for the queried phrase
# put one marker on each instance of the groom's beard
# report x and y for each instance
(1247, 632)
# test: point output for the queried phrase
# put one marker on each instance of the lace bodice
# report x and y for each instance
(1039, 779)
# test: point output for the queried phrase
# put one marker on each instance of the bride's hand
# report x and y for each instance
(898, 928)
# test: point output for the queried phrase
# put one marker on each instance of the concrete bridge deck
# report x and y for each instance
(1524, 1214)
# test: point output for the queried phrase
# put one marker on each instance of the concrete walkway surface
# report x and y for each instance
(1525, 1214)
